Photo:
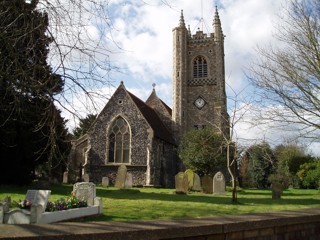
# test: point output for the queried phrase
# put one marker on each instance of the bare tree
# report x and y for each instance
(55, 51)
(235, 145)
(287, 77)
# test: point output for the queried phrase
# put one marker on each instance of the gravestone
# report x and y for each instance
(121, 177)
(38, 197)
(207, 184)
(65, 177)
(277, 190)
(196, 183)
(128, 181)
(219, 183)
(105, 182)
(1, 213)
(190, 175)
(86, 177)
(181, 182)
(85, 191)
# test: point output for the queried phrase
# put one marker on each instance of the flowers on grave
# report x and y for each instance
(25, 204)
(66, 203)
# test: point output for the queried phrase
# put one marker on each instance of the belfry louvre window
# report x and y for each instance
(200, 67)
(119, 142)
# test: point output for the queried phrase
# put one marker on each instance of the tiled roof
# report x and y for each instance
(153, 119)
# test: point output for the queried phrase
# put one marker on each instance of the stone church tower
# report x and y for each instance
(199, 97)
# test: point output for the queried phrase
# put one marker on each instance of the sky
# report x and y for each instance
(142, 48)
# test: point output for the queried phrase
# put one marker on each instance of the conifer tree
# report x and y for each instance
(30, 124)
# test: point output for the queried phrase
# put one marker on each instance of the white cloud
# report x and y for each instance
(143, 32)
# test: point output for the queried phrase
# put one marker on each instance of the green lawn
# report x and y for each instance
(151, 203)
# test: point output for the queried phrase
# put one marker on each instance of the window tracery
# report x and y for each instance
(119, 142)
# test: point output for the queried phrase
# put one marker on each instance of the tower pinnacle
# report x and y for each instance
(181, 22)
(218, 34)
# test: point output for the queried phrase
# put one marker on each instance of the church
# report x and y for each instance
(145, 135)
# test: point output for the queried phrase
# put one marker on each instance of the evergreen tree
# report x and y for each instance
(84, 125)
(204, 151)
(262, 163)
(30, 124)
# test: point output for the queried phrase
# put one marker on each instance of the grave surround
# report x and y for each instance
(39, 199)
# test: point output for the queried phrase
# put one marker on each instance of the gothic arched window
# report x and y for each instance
(119, 141)
(200, 67)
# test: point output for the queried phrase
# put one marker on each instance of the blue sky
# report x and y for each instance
(142, 48)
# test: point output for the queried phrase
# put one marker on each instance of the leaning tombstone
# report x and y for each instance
(219, 183)
(38, 197)
(121, 177)
(196, 183)
(65, 177)
(128, 181)
(85, 191)
(105, 182)
(207, 184)
(181, 182)
(190, 175)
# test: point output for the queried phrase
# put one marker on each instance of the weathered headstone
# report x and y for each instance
(65, 177)
(128, 181)
(85, 191)
(121, 177)
(38, 197)
(181, 182)
(277, 190)
(196, 183)
(207, 184)
(190, 175)
(7, 203)
(86, 177)
(105, 182)
(219, 183)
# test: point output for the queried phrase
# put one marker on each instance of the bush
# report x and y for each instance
(309, 174)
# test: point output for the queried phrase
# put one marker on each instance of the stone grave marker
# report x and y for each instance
(86, 177)
(1, 213)
(190, 175)
(85, 191)
(277, 190)
(196, 183)
(121, 177)
(38, 197)
(65, 177)
(128, 181)
(219, 183)
(105, 182)
(207, 184)
(181, 182)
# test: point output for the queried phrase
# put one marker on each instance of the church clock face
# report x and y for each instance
(199, 102)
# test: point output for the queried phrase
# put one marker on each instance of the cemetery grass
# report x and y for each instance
(157, 203)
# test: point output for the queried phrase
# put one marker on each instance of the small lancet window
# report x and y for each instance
(200, 67)
(119, 141)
